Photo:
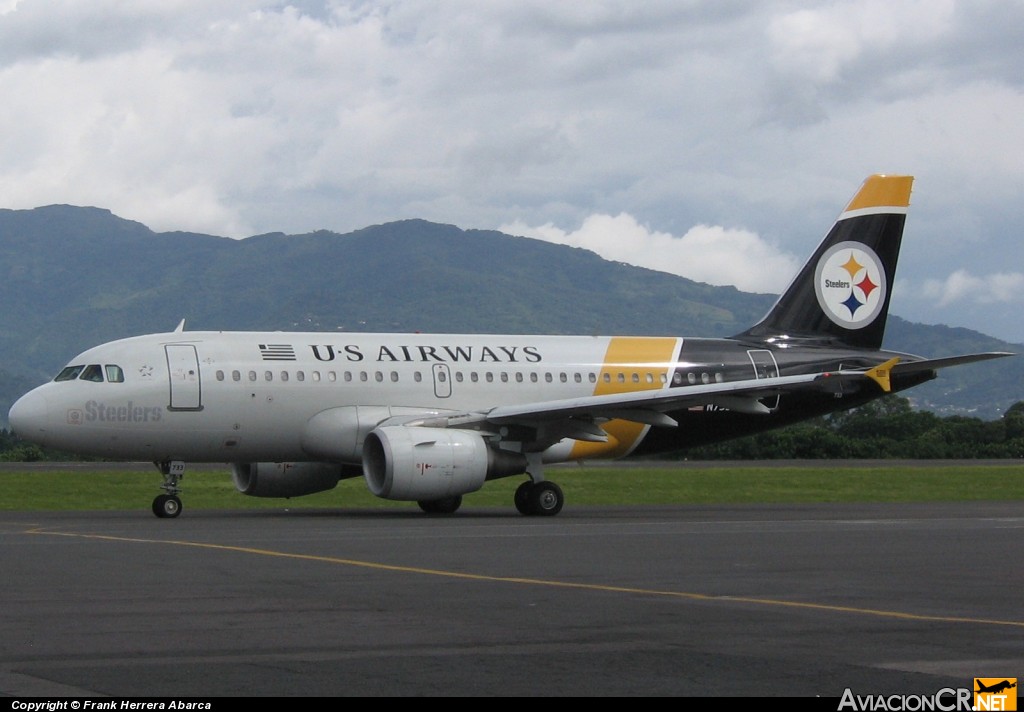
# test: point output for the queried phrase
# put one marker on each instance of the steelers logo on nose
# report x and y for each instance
(850, 284)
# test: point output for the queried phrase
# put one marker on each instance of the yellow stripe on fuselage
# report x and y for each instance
(630, 364)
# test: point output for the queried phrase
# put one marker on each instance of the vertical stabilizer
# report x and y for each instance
(841, 295)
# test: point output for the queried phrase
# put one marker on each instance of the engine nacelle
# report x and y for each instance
(287, 479)
(337, 434)
(417, 463)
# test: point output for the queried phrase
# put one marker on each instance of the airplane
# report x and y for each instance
(996, 688)
(431, 418)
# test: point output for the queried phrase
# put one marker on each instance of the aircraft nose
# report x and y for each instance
(28, 417)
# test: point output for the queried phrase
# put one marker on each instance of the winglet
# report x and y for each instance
(180, 327)
(880, 373)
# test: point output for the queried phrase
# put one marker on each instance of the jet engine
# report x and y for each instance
(288, 479)
(419, 463)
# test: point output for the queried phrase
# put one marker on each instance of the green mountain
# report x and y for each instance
(73, 277)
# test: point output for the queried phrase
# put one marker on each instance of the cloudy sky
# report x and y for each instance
(716, 139)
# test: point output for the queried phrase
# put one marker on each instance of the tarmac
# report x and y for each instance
(707, 601)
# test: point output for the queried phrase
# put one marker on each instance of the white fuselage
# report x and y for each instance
(248, 396)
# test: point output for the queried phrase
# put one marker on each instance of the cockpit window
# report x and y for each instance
(114, 373)
(69, 373)
(92, 372)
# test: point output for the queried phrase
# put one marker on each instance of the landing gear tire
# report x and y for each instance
(544, 499)
(445, 505)
(166, 506)
(522, 497)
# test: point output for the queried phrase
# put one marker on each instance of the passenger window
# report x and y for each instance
(394, 376)
(300, 376)
(593, 377)
(363, 377)
(348, 376)
(332, 376)
(519, 377)
(504, 377)
(69, 373)
(93, 373)
(563, 378)
(220, 375)
(577, 377)
(284, 375)
(489, 377)
(316, 376)
(458, 376)
(252, 375)
(114, 374)
(378, 377)
(474, 377)
(533, 377)
(268, 376)
(417, 376)
(547, 377)
(236, 376)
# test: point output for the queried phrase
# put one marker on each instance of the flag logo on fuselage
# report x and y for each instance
(277, 352)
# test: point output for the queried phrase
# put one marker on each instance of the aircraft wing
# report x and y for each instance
(649, 406)
(579, 417)
(582, 415)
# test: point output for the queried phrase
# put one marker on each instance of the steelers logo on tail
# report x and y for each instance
(850, 284)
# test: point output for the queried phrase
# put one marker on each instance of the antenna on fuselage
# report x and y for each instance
(180, 327)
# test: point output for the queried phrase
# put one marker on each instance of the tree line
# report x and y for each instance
(885, 428)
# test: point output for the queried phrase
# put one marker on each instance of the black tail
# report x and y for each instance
(842, 294)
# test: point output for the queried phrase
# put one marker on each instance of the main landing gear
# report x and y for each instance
(537, 496)
(168, 505)
(532, 498)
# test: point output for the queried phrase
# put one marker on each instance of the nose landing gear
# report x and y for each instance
(168, 505)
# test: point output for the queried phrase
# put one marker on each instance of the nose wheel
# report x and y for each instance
(168, 505)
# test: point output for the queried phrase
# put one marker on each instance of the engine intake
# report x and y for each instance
(418, 463)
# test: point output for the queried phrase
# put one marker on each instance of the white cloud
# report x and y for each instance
(822, 43)
(961, 286)
(710, 254)
(247, 116)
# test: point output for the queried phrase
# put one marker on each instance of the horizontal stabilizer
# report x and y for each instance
(933, 364)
